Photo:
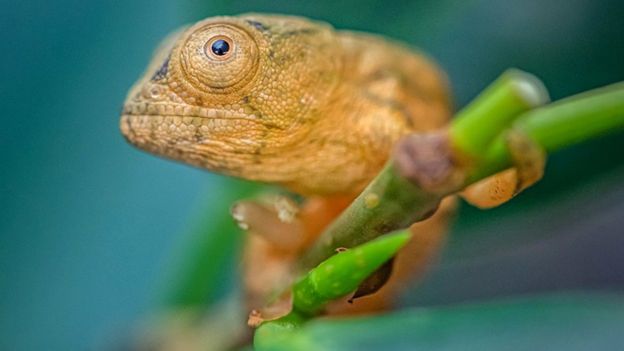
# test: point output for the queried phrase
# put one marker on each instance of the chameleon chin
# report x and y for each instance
(283, 100)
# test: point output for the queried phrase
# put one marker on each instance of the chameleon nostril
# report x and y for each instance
(151, 92)
(155, 91)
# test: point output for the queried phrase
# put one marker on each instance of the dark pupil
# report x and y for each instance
(220, 47)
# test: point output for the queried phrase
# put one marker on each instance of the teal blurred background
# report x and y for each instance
(89, 226)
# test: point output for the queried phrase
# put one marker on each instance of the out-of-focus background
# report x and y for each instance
(89, 226)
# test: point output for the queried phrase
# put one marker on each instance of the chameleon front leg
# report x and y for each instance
(529, 160)
(284, 224)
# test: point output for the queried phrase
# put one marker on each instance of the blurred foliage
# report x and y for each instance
(206, 271)
(556, 322)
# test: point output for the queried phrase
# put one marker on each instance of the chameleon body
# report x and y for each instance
(283, 100)
(293, 102)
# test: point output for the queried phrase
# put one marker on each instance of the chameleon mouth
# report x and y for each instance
(203, 137)
(181, 110)
(156, 125)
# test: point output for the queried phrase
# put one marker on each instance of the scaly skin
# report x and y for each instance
(293, 102)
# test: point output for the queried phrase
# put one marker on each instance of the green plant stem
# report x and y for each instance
(343, 273)
(514, 92)
(402, 202)
(559, 125)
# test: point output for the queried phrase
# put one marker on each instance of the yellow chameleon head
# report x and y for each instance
(283, 100)
(228, 92)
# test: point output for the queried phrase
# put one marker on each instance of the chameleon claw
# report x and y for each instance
(528, 158)
(255, 319)
(286, 209)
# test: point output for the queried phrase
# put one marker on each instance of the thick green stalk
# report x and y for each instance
(494, 109)
(389, 203)
(564, 123)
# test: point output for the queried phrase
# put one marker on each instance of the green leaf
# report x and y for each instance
(550, 322)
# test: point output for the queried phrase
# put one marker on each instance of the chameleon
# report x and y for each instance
(293, 102)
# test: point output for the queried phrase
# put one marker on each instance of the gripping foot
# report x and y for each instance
(529, 160)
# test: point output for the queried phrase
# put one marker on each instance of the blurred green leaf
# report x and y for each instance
(553, 322)
(209, 258)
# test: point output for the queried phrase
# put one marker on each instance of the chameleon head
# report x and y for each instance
(230, 93)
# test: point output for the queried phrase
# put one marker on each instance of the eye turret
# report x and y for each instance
(215, 58)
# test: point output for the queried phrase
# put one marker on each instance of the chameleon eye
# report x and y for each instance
(219, 47)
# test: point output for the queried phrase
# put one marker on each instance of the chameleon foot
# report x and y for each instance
(274, 220)
(529, 161)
